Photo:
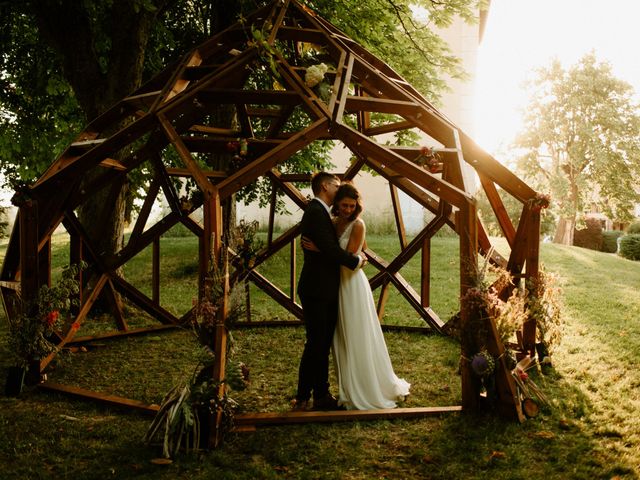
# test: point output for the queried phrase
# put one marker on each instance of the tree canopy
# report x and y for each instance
(581, 142)
(63, 62)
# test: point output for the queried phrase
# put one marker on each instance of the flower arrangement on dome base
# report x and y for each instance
(182, 421)
(544, 306)
(528, 392)
(33, 333)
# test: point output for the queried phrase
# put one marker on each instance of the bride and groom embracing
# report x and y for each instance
(339, 309)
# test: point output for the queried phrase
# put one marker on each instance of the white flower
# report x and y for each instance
(315, 74)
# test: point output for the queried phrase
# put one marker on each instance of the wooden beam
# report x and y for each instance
(382, 299)
(341, 84)
(249, 97)
(145, 210)
(506, 225)
(397, 213)
(388, 128)
(381, 105)
(425, 272)
(264, 163)
(274, 292)
(111, 400)
(203, 182)
(466, 220)
(143, 241)
(119, 334)
(144, 302)
(286, 418)
(381, 155)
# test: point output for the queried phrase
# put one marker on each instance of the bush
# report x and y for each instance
(589, 237)
(633, 228)
(630, 247)
(610, 240)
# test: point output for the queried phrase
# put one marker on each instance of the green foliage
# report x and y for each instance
(630, 246)
(389, 30)
(30, 333)
(545, 307)
(38, 110)
(4, 223)
(610, 240)
(582, 135)
(633, 228)
(589, 237)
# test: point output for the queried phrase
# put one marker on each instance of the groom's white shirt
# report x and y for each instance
(326, 207)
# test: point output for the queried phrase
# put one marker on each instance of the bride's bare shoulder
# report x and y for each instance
(359, 225)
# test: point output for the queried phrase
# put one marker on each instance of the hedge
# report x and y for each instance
(630, 246)
(610, 240)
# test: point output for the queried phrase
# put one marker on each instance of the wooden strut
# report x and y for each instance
(249, 421)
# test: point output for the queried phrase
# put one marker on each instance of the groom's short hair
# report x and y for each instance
(319, 178)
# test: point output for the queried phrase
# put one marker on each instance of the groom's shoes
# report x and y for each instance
(328, 402)
(300, 405)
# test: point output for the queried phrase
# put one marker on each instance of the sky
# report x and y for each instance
(522, 35)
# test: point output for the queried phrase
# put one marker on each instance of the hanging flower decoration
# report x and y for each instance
(540, 201)
(232, 147)
(239, 149)
(429, 159)
(483, 364)
(315, 74)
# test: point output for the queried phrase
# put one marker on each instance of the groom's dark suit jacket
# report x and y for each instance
(320, 276)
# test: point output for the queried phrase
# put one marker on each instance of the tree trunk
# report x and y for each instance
(102, 216)
(564, 231)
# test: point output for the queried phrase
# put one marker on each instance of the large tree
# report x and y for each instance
(581, 142)
(63, 62)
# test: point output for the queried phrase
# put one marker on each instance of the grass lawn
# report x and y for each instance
(592, 429)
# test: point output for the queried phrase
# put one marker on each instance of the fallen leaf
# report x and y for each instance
(497, 454)
(67, 417)
(161, 461)
(544, 434)
(428, 459)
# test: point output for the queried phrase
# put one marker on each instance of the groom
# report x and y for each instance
(318, 292)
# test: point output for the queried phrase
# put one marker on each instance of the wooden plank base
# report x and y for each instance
(247, 422)
(112, 400)
(279, 418)
(120, 334)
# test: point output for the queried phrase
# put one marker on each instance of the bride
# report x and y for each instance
(365, 375)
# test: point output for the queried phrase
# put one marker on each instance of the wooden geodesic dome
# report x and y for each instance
(175, 111)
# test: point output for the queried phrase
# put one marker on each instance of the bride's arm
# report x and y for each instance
(356, 238)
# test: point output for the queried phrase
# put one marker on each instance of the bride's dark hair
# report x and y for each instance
(347, 190)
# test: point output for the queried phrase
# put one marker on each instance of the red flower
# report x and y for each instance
(52, 318)
(75, 326)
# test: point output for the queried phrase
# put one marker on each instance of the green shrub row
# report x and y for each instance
(589, 237)
(630, 246)
(610, 240)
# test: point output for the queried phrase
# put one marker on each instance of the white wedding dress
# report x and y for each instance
(365, 375)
